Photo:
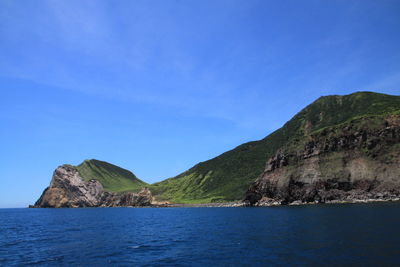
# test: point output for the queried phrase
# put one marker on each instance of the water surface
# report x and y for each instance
(314, 235)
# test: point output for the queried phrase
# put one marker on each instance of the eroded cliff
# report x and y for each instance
(68, 190)
(357, 160)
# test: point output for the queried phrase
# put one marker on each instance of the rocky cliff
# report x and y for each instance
(357, 160)
(68, 190)
(228, 176)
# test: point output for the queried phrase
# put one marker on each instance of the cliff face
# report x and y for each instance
(68, 190)
(357, 160)
(228, 176)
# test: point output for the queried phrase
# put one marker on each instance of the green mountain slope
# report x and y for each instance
(113, 178)
(227, 176)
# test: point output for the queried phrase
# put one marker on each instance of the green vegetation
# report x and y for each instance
(227, 177)
(113, 178)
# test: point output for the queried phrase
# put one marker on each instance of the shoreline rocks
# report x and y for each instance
(299, 203)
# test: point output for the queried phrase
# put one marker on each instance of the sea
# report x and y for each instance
(309, 235)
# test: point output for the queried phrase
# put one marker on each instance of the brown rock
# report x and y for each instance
(68, 190)
(338, 164)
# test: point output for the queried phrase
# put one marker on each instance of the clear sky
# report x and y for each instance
(158, 86)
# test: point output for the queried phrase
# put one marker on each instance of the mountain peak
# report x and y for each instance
(336, 109)
(227, 176)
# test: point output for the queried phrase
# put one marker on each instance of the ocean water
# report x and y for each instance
(314, 235)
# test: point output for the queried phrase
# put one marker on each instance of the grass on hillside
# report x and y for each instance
(113, 178)
(227, 177)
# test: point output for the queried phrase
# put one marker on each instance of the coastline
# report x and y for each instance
(243, 204)
(272, 204)
(202, 205)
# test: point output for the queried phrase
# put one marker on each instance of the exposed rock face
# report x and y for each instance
(129, 199)
(68, 190)
(356, 161)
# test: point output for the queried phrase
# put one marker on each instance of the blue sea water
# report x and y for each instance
(314, 235)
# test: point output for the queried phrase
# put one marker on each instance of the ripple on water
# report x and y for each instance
(363, 235)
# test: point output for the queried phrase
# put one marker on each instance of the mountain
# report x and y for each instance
(112, 178)
(228, 176)
(355, 161)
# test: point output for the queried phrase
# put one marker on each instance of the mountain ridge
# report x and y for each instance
(237, 168)
(228, 176)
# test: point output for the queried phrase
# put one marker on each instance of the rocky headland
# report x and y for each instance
(67, 189)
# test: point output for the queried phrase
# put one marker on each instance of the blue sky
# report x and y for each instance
(158, 86)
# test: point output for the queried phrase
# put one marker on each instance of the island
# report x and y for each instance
(338, 149)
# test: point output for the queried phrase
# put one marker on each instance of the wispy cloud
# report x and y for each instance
(218, 62)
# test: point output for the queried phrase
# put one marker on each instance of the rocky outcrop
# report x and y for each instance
(129, 199)
(68, 190)
(355, 161)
